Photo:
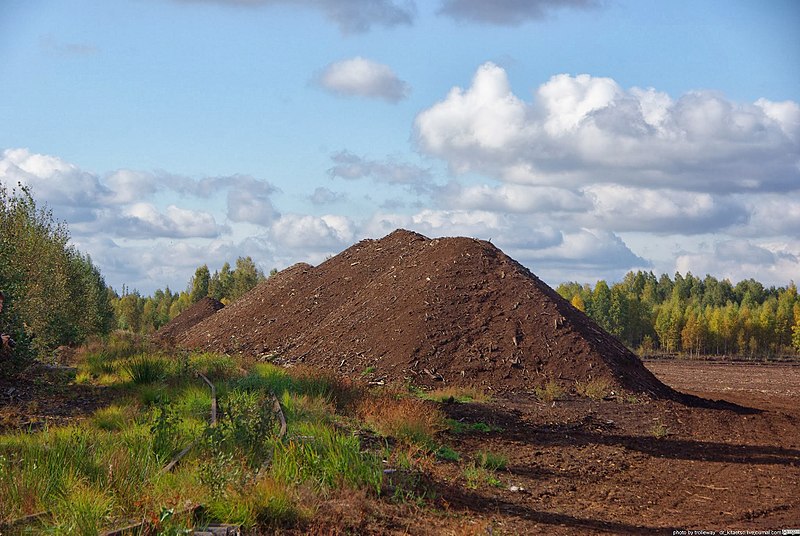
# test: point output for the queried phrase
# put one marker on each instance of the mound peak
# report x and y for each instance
(411, 308)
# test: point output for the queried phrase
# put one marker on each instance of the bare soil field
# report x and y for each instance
(625, 466)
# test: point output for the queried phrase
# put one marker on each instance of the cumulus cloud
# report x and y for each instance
(52, 179)
(582, 130)
(360, 77)
(351, 16)
(299, 232)
(515, 198)
(508, 12)
(771, 215)
(249, 200)
(146, 221)
(350, 166)
(771, 263)
(623, 208)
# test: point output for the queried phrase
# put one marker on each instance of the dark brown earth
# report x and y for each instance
(621, 466)
(194, 314)
(454, 311)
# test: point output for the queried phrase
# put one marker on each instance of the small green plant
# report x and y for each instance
(596, 388)
(459, 427)
(549, 392)
(630, 398)
(369, 370)
(448, 454)
(475, 476)
(101, 362)
(247, 424)
(164, 430)
(491, 461)
(659, 430)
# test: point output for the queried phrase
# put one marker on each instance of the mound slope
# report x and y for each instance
(195, 313)
(424, 310)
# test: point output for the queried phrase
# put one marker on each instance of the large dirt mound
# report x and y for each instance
(409, 308)
(195, 313)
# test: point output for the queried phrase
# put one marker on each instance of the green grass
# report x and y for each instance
(448, 454)
(324, 457)
(490, 460)
(106, 470)
(146, 368)
(459, 427)
(112, 418)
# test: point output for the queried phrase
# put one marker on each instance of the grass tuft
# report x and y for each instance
(406, 419)
(549, 392)
(145, 369)
(596, 389)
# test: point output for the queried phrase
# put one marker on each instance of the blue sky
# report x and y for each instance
(585, 138)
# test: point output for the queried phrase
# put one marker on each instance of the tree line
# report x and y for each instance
(146, 314)
(54, 294)
(693, 316)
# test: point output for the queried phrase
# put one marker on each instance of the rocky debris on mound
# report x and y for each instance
(197, 312)
(410, 308)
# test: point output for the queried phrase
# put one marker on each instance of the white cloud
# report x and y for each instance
(146, 221)
(52, 179)
(515, 198)
(623, 208)
(584, 130)
(360, 77)
(771, 215)
(508, 12)
(774, 263)
(130, 186)
(304, 233)
(249, 201)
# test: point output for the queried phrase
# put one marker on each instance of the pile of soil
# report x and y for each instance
(197, 312)
(407, 308)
